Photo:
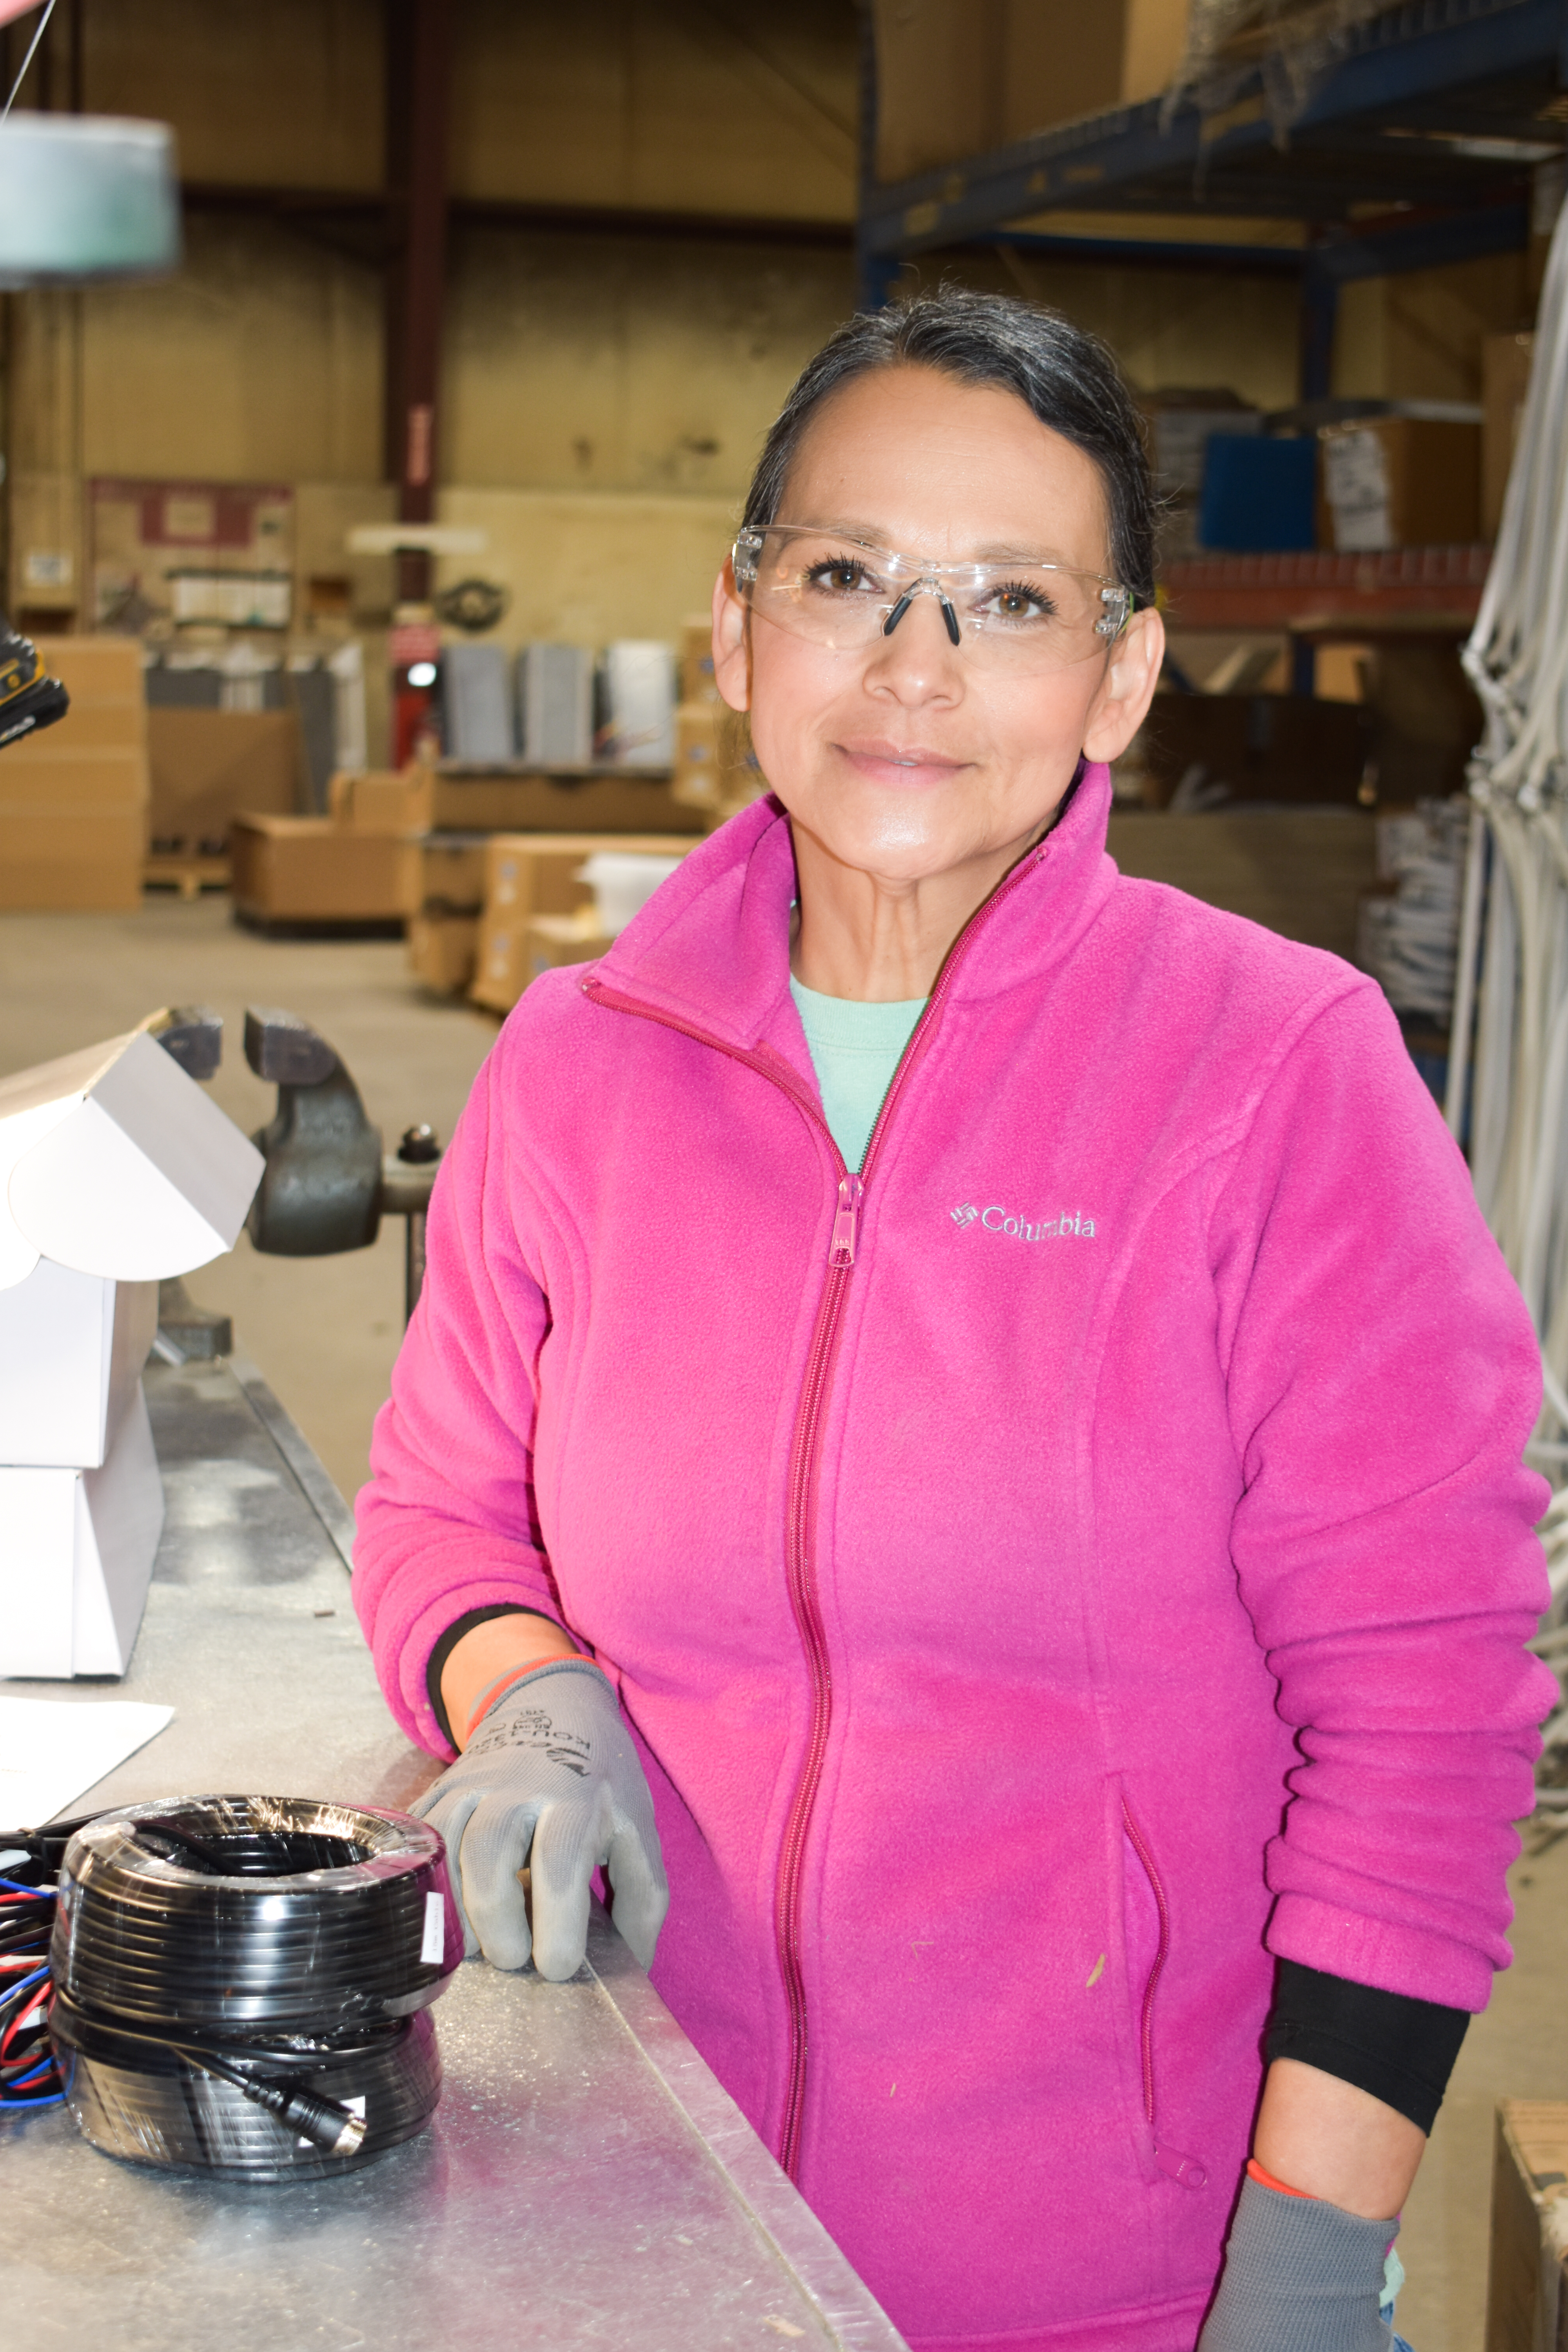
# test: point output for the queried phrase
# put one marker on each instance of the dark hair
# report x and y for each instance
(1063, 375)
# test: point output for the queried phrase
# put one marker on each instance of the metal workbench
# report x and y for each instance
(585, 2180)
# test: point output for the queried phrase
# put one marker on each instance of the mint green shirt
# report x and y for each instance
(855, 1049)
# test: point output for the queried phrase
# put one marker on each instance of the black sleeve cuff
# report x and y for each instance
(449, 1642)
(1400, 2049)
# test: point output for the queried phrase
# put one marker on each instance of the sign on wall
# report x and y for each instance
(195, 553)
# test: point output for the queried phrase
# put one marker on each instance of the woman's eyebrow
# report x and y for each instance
(872, 535)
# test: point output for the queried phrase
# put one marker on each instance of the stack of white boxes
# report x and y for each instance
(116, 1170)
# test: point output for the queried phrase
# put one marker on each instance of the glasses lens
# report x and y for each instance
(1028, 616)
(1020, 616)
(825, 587)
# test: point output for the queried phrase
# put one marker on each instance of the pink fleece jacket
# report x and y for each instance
(1043, 1581)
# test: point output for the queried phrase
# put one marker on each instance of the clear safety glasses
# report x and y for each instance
(1016, 614)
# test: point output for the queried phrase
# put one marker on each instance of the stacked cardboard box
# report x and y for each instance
(207, 766)
(954, 78)
(73, 798)
(344, 869)
(532, 878)
(443, 890)
(716, 769)
(1400, 481)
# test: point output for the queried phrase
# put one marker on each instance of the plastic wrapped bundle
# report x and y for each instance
(242, 1983)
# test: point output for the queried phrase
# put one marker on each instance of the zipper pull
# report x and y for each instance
(1185, 2168)
(846, 1222)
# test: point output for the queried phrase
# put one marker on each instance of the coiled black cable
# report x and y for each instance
(241, 1983)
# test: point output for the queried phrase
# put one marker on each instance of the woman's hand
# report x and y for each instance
(550, 1780)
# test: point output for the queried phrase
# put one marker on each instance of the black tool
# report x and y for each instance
(29, 698)
(328, 1183)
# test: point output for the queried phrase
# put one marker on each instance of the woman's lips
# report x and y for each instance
(904, 767)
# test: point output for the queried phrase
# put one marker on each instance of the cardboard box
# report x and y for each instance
(386, 801)
(624, 803)
(716, 769)
(552, 940)
(954, 79)
(1265, 747)
(120, 1171)
(77, 1557)
(1526, 2309)
(1300, 872)
(209, 766)
(306, 869)
(71, 1350)
(73, 799)
(70, 859)
(1401, 481)
(695, 680)
(697, 780)
(528, 874)
(442, 951)
(443, 872)
(1505, 380)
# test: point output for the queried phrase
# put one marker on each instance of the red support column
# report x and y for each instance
(418, 76)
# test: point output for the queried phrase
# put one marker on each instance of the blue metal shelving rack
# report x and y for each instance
(1431, 118)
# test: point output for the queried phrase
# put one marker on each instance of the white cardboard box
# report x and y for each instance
(71, 1350)
(115, 1170)
(76, 1558)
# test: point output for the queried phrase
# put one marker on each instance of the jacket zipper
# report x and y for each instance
(1184, 2169)
(805, 1448)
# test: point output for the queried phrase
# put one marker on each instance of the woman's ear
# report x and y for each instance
(1122, 703)
(731, 651)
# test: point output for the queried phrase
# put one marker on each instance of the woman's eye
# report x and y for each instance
(1016, 602)
(841, 575)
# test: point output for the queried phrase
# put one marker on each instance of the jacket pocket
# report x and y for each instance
(1146, 1931)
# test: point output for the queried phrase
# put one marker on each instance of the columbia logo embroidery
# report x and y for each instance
(1070, 1224)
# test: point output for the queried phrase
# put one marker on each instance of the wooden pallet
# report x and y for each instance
(187, 876)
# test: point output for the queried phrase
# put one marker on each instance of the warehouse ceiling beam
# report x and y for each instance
(418, 81)
(356, 223)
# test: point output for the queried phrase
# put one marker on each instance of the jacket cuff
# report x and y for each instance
(1398, 1958)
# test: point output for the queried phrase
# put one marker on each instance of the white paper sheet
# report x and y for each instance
(51, 1750)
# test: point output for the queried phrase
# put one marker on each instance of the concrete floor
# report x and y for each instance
(325, 1331)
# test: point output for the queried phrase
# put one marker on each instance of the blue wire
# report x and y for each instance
(36, 2076)
(44, 1893)
(26, 2106)
(21, 1986)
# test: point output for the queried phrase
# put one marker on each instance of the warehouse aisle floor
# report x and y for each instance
(325, 1331)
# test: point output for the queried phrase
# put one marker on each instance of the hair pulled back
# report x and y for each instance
(1063, 375)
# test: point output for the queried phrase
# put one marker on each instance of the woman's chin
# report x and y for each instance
(915, 841)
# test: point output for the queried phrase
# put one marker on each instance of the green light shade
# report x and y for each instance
(86, 196)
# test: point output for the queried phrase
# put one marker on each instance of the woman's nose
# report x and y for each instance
(917, 656)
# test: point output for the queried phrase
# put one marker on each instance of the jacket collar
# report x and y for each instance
(710, 950)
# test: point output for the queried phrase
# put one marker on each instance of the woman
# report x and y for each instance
(1058, 1539)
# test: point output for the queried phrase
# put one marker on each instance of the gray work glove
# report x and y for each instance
(1300, 2275)
(550, 1779)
